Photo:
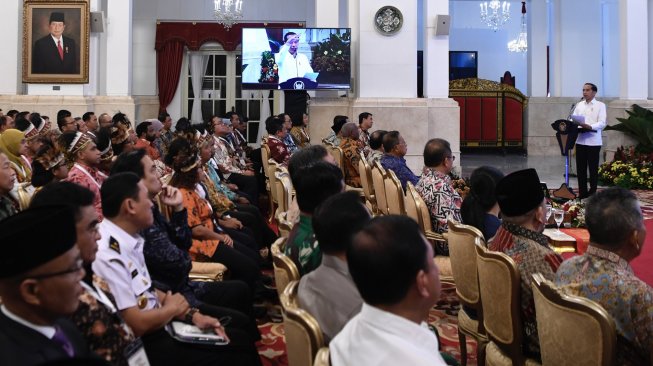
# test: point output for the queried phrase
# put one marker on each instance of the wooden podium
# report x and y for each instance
(491, 114)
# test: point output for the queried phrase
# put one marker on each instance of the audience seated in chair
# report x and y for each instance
(392, 267)
(304, 158)
(299, 130)
(480, 208)
(128, 210)
(210, 243)
(8, 206)
(329, 293)
(436, 189)
(376, 146)
(313, 184)
(350, 146)
(603, 274)
(39, 285)
(335, 134)
(276, 135)
(167, 258)
(520, 237)
(395, 149)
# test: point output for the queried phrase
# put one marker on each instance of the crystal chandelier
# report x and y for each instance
(521, 43)
(495, 13)
(228, 12)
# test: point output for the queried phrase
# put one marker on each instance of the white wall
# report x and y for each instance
(388, 64)
(469, 33)
(147, 12)
(611, 49)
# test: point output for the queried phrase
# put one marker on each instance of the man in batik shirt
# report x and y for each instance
(365, 123)
(436, 189)
(522, 204)
(276, 136)
(603, 274)
(350, 145)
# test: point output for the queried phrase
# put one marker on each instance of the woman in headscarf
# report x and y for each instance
(12, 143)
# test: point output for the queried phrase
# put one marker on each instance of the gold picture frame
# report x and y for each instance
(52, 52)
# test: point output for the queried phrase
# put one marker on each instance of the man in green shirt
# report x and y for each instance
(313, 184)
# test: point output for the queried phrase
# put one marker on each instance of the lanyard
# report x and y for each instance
(99, 295)
(83, 170)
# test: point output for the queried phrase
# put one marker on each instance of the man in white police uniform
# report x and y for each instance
(120, 261)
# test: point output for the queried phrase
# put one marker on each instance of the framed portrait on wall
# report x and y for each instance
(55, 41)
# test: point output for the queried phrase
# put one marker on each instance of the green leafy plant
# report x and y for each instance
(638, 125)
(332, 54)
(269, 68)
(629, 169)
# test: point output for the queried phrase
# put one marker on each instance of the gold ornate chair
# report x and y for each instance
(272, 166)
(288, 297)
(366, 181)
(285, 269)
(303, 336)
(378, 175)
(573, 330)
(285, 194)
(462, 253)
(394, 194)
(322, 357)
(416, 208)
(499, 283)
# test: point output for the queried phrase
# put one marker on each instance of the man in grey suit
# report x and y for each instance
(55, 53)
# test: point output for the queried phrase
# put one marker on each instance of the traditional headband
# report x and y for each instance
(79, 142)
(31, 132)
(192, 166)
(56, 161)
(107, 154)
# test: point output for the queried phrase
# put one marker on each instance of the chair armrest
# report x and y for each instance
(207, 271)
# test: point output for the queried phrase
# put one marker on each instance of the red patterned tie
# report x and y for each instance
(60, 49)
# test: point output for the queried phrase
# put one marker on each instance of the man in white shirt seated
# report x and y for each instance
(392, 265)
(329, 293)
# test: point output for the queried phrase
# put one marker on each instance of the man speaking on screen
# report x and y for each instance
(292, 64)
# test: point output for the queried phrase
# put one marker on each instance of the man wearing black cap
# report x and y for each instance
(39, 284)
(522, 204)
(55, 53)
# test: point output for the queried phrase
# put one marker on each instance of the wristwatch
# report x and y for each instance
(189, 315)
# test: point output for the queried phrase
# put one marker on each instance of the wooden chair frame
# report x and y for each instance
(556, 298)
(393, 187)
(379, 188)
(310, 326)
(510, 344)
(462, 240)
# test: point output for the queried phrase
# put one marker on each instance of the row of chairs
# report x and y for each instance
(385, 196)
(572, 330)
(305, 343)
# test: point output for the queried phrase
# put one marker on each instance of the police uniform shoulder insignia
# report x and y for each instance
(113, 244)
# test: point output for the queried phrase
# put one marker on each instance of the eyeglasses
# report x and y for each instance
(453, 158)
(79, 265)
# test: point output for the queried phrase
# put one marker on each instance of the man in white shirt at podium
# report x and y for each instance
(292, 64)
(588, 144)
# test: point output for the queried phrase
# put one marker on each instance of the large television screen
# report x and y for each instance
(296, 58)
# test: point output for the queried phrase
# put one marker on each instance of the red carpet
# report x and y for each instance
(643, 265)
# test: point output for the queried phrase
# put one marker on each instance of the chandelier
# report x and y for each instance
(521, 43)
(495, 13)
(228, 12)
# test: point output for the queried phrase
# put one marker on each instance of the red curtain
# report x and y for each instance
(168, 70)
